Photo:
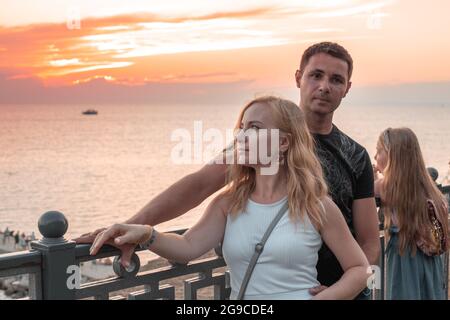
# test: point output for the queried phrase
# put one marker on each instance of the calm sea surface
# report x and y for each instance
(102, 169)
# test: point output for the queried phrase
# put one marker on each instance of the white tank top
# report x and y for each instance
(286, 268)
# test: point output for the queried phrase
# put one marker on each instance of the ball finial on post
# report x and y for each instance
(53, 225)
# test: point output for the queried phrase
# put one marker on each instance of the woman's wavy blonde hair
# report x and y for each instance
(406, 187)
(305, 183)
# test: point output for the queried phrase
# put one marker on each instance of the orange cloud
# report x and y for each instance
(116, 44)
(53, 50)
(261, 45)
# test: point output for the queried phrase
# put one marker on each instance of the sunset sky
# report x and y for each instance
(55, 48)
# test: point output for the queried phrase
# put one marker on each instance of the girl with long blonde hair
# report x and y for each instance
(416, 218)
(240, 215)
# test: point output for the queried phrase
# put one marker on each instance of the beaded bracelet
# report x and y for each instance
(145, 245)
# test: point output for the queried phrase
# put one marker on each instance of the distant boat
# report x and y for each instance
(90, 112)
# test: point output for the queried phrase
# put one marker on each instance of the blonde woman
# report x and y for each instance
(416, 218)
(240, 215)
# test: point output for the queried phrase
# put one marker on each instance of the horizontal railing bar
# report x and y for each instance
(19, 271)
(82, 252)
(20, 259)
(164, 273)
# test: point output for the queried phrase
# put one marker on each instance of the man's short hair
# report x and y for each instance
(331, 48)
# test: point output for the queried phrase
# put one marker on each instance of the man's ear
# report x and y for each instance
(298, 77)
(349, 85)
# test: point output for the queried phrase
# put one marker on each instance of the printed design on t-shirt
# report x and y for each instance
(338, 181)
(355, 156)
(343, 162)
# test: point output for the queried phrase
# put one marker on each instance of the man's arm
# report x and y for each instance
(365, 222)
(173, 202)
(365, 216)
(206, 234)
(182, 196)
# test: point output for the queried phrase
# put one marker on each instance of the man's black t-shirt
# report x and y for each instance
(348, 173)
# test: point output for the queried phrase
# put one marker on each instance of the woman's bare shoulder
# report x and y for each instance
(223, 202)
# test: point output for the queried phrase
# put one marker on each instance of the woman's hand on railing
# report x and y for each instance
(88, 237)
(122, 236)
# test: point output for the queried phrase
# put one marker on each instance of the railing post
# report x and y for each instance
(57, 255)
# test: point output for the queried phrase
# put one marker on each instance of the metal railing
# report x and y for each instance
(53, 262)
(53, 266)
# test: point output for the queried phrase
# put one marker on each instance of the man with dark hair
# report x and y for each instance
(330, 48)
(324, 80)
